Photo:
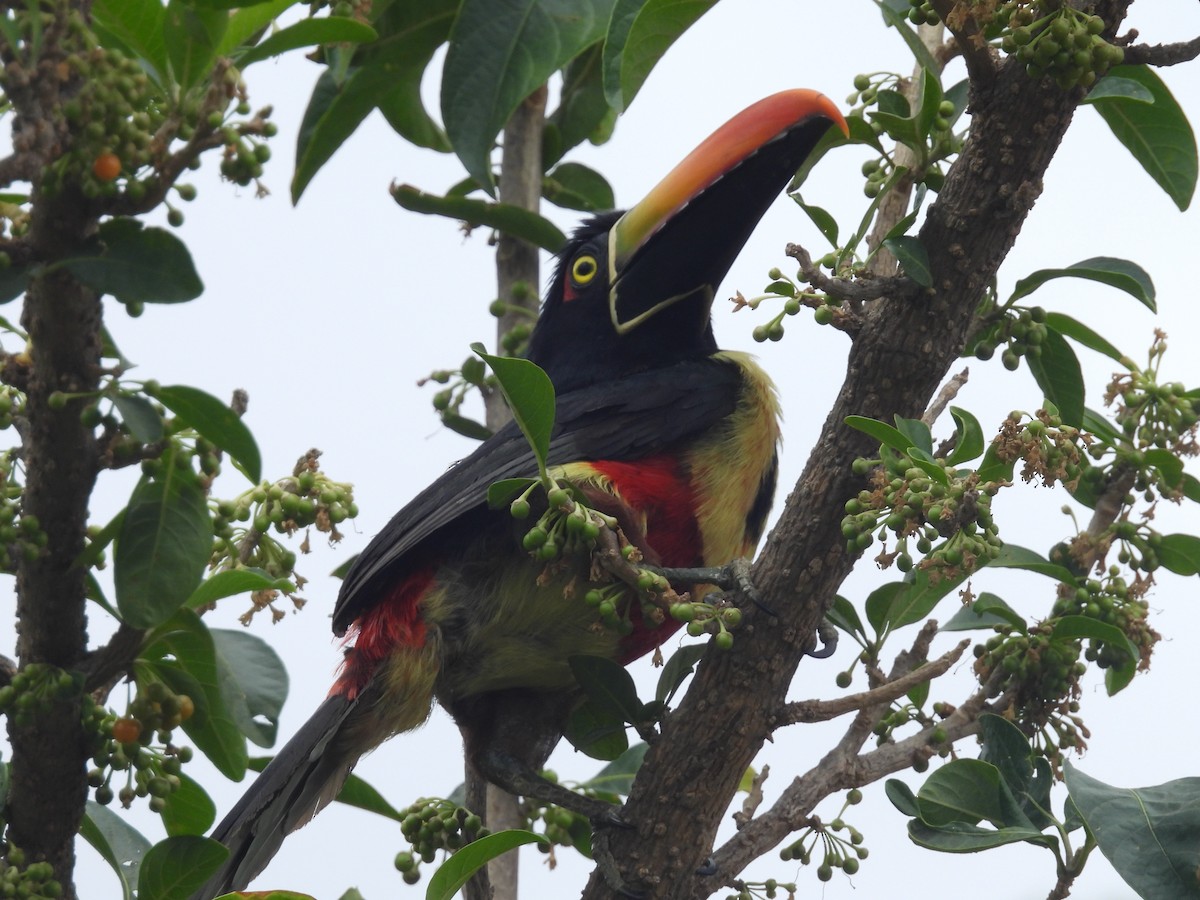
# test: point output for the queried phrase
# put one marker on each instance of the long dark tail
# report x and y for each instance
(305, 775)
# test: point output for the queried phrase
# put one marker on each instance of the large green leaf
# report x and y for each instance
(356, 792)
(307, 33)
(575, 186)
(583, 112)
(253, 682)
(1056, 371)
(410, 32)
(640, 34)
(138, 24)
(232, 582)
(174, 868)
(910, 253)
(681, 664)
(119, 844)
(138, 265)
(1148, 834)
(963, 790)
(215, 421)
(617, 777)
(456, 871)
(194, 671)
(250, 23)
(163, 545)
(1179, 553)
(1082, 334)
(530, 395)
(1119, 273)
(961, 837)
(500, 52)
(503, 217)
(968, 438)
(1014, 557)
(334, 111)
(189, 809)
(596, 730)
(192, 35)
(1158, 134)
(609, 684)
(915, 45)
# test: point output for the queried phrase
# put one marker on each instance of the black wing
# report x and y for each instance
(639, 415)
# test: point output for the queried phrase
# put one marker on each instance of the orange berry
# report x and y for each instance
(126, 731)
(186, 707)
(106, 167)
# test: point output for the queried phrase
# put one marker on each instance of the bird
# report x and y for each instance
(655, 427)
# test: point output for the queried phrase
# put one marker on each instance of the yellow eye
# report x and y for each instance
(584, 269)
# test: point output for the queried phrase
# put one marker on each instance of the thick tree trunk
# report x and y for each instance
(906, 343)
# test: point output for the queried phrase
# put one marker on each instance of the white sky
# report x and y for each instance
(329, 313)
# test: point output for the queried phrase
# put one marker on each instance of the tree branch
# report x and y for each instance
(805, 711)
(1162, 54)
(968, 37)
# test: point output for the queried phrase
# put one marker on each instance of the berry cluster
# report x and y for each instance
(12, 405)
(34, 689)
(127, 745)
(563, 827)
(907, 501)
(1042, 674)
(21, 536)
(28, 882)
(836, 852)
(307, 499)
(1055, 40)
(824, 307)
(1051, 450)
(769, 889)
(902, 714)
(432, 824)
(921, 13)
(1022, 333)
(1113, 602)
(1153, 414)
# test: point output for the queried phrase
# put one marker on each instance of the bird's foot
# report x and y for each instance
(732, 578)
(828, 635)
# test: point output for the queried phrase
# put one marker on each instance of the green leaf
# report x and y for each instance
(138, 24)
(231, 582)
(641, 31)
(931, 98)
(456, 871)
(960, 837)
(356, 792)
(176, 867)
(843, 615)
(138, 265)
(1028, 789)
(1067, 628)
(879, 604)
(409, 36)
(583, 112)
(503, 217)
(13, 282)
(1098, 425)
(502, 493)
(617, 777)
(575, 186)
(1082, 334)
(902, 797)
(910, 253)
(969, 442)
(253, 682)
(468, 428)
(189, 809)
(1056, 371)
(192, 35)
(963, 790)
(308, 33)
(1115, 87)
(608, 683)
(919, 51)
(216, 422)
(993, 468)
(1158, 134)
(529, 394)
(1119, 273)
(825, 222)
(917, 432)
(194, 671)
(919, 597)
(162, 548)
(1169, 466)
(597, 731)
(926, 463)
(499, 54)
(249, 24)
(1013, 557)
(681, 664)
(1148, 834)
(119, 844)
(882, 432)
(1180, 553)
(988, 610)
(139, 415)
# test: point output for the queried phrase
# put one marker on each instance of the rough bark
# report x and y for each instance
(907, 343)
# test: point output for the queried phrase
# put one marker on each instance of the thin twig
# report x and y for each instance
(805, 711)
(948, 392)
(1163, 54)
